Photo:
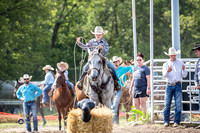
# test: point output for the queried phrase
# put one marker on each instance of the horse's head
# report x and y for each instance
(17, 85)
(59, 78)
(96, 64)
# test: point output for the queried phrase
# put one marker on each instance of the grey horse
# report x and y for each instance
(99, 84)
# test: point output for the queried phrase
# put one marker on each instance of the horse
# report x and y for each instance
(126, 100)
(39, 105)
(98, 83)
(62, 97)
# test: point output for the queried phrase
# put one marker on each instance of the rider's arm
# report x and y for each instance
(105, 48)
(88, 45)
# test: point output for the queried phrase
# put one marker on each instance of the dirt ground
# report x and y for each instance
(147, 128)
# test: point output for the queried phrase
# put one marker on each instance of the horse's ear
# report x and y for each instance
(99, 50)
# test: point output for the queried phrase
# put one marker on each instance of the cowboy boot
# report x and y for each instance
(80, 83)
(43, 122)
(71, 90)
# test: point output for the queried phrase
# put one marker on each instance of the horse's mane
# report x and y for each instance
(98, 52)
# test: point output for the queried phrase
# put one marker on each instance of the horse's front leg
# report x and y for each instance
(59, 118)
(94, 97)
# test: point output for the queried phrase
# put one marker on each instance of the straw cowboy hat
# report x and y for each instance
(99, 30)
(115, 58)
(172, 51)
(196, 46)
(63, 63)
(48, 67)
(26, 76)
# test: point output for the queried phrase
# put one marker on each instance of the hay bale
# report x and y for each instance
(100, 122)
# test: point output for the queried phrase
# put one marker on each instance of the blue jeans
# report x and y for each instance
(27, 108)
(70, 84)
(177, 92)
(109, 64)
(116, 100)
(44, 92)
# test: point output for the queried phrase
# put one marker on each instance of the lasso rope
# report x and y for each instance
(83, 56)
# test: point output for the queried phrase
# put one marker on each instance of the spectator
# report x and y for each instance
(173, 70)
(28, 93)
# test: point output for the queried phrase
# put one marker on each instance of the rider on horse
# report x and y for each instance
(63, 66)
(49, 79)
(98, 41)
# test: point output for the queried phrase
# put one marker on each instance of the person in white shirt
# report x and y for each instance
(173, 70)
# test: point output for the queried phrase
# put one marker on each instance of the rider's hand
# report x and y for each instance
(100, 47)
(23, 99)
(78, 40)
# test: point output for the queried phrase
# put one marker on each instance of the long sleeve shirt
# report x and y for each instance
(66, 75)
(93, 43)
(176, 74)
(122, 70)
(49, 78)
(29, 93)
(197, 72)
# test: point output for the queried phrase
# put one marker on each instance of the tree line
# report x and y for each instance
(34, 33)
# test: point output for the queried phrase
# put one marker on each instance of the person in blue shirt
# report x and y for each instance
(122, 73)
(28, 93)
(99, 42)
(140, 84)
(49, 80)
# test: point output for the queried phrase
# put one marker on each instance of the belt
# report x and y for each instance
(174, 83)
(30, 101)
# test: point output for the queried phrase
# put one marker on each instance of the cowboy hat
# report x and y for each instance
(115, 58)
(48, 67)
(196, 46)
(26, 76)
(172, 51)
(63, 63)
(99, 30)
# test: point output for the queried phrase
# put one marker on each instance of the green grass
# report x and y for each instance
(50, 123)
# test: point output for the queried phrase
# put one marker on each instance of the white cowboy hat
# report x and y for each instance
(48, 67)
(26, 76)
(63, 63)
(99, 30)
(172, 51)
(115, 58)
